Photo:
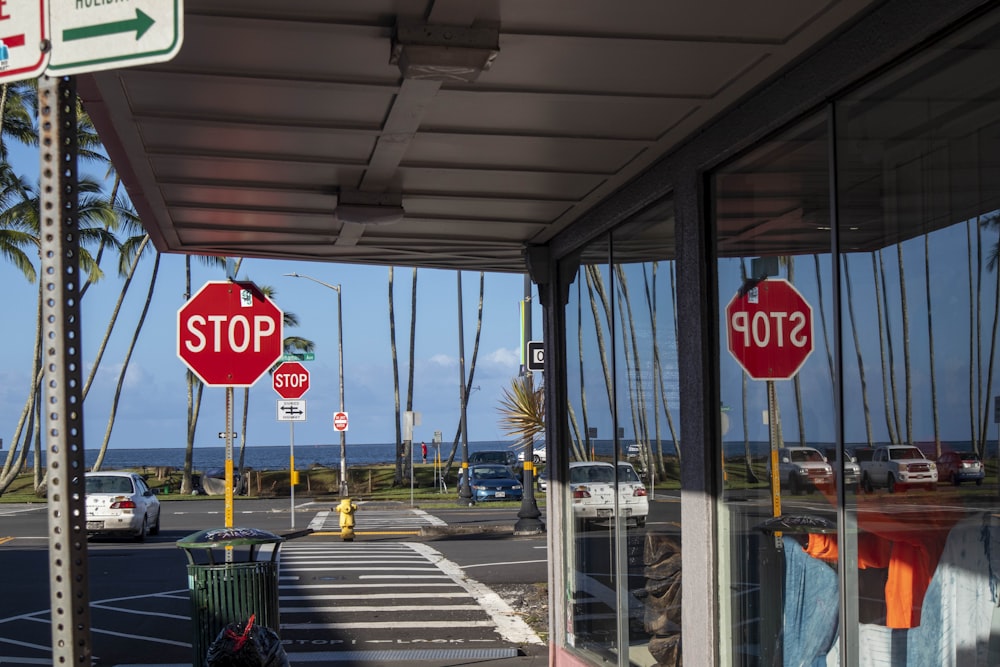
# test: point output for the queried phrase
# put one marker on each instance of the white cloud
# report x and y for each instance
(441, 360)
(504, 358)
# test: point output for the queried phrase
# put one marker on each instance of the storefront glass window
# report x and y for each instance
(919, 192)
(623, 406)
(779, 450)
(892, 367)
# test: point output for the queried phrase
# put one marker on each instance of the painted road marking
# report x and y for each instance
(373, 577)
(403, 521)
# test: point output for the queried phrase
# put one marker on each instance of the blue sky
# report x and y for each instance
(153, 404)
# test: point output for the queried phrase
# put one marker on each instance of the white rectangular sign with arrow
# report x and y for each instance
(92, 35)
(292, 410)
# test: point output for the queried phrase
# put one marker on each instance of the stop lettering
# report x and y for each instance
(769, 330)
(224, 332)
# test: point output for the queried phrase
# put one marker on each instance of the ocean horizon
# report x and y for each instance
(276, 457)
(269, 457)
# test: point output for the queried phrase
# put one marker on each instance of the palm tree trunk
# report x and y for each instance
(6, 478)
(973, 421)
(907, 382)
(857, 350)
(397, 479)
(596, 284)
(114, 317)
(881, 348)
(193, 400)
(989, 367)
(125, 363)
(409, 384)
(930, 345)
(980, 398)
(582, 442)
(796, 383)
(633, 366)
(472, 370)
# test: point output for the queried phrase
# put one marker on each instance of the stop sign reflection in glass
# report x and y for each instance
(769, 330)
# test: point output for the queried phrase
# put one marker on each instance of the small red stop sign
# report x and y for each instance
(290, 380)
(229, 334)
(770, 330)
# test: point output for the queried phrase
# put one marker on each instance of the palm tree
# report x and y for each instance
(21, 219)
(397, 479)
(289, 345)
(413, 343)
(18, 107)
(857, 349)
(882, 335)
(472, 371)
(907, 382)
(522, 410)
(195, 387)
(128, 355)
(930, 345)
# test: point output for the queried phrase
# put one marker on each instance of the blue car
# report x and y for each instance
(493, 482)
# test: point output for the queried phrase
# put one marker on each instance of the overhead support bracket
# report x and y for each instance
(443, 52)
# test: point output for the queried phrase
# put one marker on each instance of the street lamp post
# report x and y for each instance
(340, 357)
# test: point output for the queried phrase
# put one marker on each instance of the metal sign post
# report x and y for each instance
(229, 467)
(292, 411)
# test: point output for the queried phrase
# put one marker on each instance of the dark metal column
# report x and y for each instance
(528, 517)
(62, 394)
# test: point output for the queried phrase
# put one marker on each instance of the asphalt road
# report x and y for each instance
(391, 590)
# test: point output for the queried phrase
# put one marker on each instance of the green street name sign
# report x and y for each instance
(92, 35)
(299, 356)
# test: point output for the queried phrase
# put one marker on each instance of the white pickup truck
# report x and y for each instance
(898, 467)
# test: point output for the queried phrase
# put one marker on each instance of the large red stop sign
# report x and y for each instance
(770, 330)
(229, 334)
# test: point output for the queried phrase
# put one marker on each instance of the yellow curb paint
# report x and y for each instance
(368, 532)
(5, 540)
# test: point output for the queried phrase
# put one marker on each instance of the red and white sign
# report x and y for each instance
(339, 421)
(290, 380)
(770, 330)
(23, 32)
(229, 334)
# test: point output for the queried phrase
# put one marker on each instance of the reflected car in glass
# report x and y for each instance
(851, 469)
(592, 484)
(503, 457)
(493, 482)
(958, 467)
(803, 469)
(537, 454)
(543, 481)
(120, 503)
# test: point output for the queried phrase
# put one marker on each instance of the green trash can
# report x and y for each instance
(224, 593)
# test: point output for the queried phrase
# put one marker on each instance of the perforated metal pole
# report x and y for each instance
(62, 392)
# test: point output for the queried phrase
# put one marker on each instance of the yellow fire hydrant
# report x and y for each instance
(347, 510)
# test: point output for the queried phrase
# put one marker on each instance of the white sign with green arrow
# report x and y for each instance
(92, 35)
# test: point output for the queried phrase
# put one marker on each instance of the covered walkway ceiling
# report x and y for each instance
(289, 130)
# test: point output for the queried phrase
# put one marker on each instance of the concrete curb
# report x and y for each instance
(475, 529)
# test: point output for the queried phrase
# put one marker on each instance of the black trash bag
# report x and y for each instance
(246, 645)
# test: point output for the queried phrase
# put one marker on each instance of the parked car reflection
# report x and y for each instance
(958, 467)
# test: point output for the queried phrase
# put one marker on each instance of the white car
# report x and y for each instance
(121, 503)
(592, 484)
(537, 455)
